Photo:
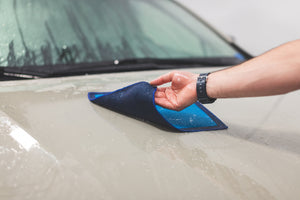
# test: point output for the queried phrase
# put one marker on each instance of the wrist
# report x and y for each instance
(210, 89)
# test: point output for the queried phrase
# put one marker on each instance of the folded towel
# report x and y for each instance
(137, 101)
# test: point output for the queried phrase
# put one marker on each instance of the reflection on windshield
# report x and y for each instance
(41, 32)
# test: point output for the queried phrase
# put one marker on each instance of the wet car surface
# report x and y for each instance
(56, 144)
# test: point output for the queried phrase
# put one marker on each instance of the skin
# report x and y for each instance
(272, 73)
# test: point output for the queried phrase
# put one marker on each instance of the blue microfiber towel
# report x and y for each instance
(137, 101)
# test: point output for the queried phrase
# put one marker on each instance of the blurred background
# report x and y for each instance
(256, 25)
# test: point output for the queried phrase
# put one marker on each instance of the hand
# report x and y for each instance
(180, 94)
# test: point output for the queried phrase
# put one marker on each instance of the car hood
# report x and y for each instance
(56, 144)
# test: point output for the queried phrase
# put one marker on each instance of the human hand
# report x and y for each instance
(180, 94)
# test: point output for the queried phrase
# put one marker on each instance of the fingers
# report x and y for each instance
(162, 99)
(166, 78)
(166, 98)
(160, 93)
(163, 102)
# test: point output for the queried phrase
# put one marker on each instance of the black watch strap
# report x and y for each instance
(201, 89)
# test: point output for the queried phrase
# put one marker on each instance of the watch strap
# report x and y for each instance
(201, 89)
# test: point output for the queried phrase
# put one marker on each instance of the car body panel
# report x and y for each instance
(54, 143)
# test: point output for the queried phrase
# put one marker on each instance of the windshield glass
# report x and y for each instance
(43, 32)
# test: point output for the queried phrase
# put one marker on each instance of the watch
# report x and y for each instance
(201, 89)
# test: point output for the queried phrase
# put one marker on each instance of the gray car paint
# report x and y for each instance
(55, 144)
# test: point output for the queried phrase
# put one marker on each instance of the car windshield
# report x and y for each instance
(71, 32)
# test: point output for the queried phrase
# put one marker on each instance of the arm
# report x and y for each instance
(275, 72)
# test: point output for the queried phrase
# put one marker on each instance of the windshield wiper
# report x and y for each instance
(207, 61)
(113, 66)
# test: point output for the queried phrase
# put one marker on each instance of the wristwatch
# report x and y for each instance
(201, 89)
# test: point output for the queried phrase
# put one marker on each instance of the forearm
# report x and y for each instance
(275, 72)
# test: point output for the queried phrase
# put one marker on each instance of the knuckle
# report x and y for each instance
(175, 73)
